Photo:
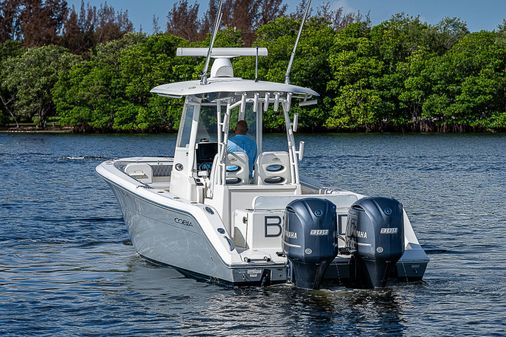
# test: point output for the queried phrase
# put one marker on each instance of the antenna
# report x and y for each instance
(256, 66)
(292, 57)
(203, 77)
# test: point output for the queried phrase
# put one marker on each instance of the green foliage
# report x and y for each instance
(8, 49)
(402, 74)
(111, 91)
(31, 76)
(466, 84)
(407, 74)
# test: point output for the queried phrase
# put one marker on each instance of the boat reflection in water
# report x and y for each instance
(190, 307)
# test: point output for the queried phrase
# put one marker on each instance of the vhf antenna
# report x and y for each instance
(203, 77)
(292, 57)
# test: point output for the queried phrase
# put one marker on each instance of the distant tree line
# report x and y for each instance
(88, 69)
(37, 23)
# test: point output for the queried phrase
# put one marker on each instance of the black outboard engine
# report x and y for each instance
(375, 233)
(309, 240)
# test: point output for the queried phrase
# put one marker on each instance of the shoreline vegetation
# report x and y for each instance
(55, 130)
(86, 71)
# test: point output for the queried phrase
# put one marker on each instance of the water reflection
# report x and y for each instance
(205, 308)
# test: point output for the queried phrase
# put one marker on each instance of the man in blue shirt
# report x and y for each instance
(240, 142)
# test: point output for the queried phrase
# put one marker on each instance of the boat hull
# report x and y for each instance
(168, 236)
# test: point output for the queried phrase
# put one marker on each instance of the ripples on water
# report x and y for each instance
(67, 267)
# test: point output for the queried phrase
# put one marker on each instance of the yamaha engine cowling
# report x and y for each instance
(309, 240)
(375, 233)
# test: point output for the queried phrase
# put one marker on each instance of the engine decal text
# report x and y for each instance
(386, 230)
(291, 235)
(319, 232)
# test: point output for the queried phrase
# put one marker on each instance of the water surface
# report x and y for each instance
(66, 266)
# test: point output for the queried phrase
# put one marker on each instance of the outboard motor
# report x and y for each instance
(309, 240)
(375, 234)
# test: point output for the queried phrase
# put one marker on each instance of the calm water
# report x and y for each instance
(66, 267)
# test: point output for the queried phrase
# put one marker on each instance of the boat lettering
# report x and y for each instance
(254, 272)
(386, 230)
(183, 222)
(273, 226)
(319, 232)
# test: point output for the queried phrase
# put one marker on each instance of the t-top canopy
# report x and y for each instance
(230, 85)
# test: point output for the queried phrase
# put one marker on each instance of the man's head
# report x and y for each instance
(241, 128)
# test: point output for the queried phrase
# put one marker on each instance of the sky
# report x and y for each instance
(478, 14)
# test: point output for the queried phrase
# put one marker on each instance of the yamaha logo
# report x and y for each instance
(388, 211)
(318, 212)
(361, 234)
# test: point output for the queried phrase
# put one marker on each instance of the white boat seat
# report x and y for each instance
(140, 171)
(237, 169)
(273, 168)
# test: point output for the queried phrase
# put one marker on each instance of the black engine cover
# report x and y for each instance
(375, 233)
(309, 240)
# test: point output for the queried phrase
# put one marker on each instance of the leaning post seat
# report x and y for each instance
(237, 169)
(273, 168)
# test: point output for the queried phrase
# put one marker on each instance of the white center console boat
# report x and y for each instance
(203, 213)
